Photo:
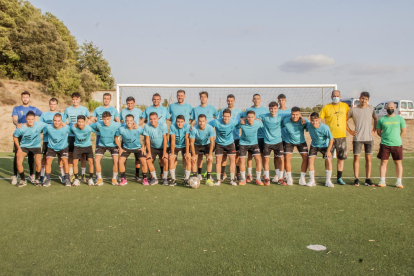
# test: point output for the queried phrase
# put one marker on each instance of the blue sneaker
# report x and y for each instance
(42, 179)
(62, 178)
(340, 181)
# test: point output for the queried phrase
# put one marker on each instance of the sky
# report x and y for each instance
(358, 45)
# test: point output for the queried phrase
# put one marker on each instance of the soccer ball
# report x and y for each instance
(194, 182)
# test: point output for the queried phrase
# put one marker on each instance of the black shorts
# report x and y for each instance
(341, 150)
(276, 148)
(253, 149)
(137, 153)
(157, 152)
(314, 151)
(357, 147)
(237, 144)
(63, 153)
(101, 150)
(288, 147)
(177, 151)
(44, 148)
(79, 151)
(229, 149)
(260, 143)
(35, 151)
(204, 149)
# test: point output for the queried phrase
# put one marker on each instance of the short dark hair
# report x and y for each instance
(203, 92)
(106, 114)
(256, 95)
(334, 91)
(273, 104)
(31, 113)
(25, 93)
(250, 112)
(54, 100)
(295, 109)
(129, 115)
(227, 111)
(181, 117)
(281, 96)
(364, 94)
(130, 98)
(202, 116)
(57, 115)
(81, 117)
(180, 91)
(156, 95)
(76, 95)
(107, 94)
(314, 115)
(231, 96)
(153, 113)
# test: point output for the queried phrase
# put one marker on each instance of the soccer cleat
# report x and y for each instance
(153, 181)
(399, 185)
(217, 183)
(13, 180)
(76, 182)
(223, 176)
(145, 182)
(31, 178)
(368, 182)
(185, 183)
(90, 182)
(233, 182)
(209, 182)
(71, 178)
(46, 183)
(302, 181)
(266, 182)
(340, 181)
(165, 182)
(329, 184)
(199, 177)
(238, 177)
(258, 182)
(67, 183)
(83, 178)
(249, 178)
(172, 182)
(42, 179)
(114, 181)
(311, 183)
(37, 183)
(382, 184)
(99, 182)
(62, 178)
(21, 183)
(289, 181)
(356, 182)
(275, 179)
(242, 182)
(281, 182)
(123, 182)
(138, 179)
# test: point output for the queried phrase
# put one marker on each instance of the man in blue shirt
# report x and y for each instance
(281, 100)
(83, 147)
(107, 129)
(204, 108)
(162, 112)
(235, 113)
(180, 142)
(47, 117)
(57, 144)
(202, 143)
(225, 144)
(293, 129)
(322, 141)
(180, 108)
(72, 113)
(131, 143)
(19, 118)
(29, 141)
(249, 144)
(156, 142)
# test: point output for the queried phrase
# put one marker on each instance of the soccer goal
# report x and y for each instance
(303, 95)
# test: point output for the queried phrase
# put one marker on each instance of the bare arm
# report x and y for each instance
(148, 146)
(117, 120)
(165, 146)
(403, 132)
(328, 151)
(172, 144)
(16, 121)
(375, 123)
(118, 144)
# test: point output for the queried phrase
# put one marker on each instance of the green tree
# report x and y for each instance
(165, 103)
(89, 82)
(66, 82)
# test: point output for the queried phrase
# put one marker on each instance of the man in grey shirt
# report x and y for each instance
(363, 116)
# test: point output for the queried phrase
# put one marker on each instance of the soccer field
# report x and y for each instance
(242, 230)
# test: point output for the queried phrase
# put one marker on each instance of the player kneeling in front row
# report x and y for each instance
(107, 129)
(131, 143)
(322, 142)
(202, 143)
(180, 141)
(30, 142)
(82, 146)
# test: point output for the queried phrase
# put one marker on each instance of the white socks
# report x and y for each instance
(280, 174)
(71, 170)
(266, 174)
(42, 172)
(288, 175)
(302, 175)
(258, 175)
(398, 180)
(99, 175)
(312, 175)
(249, 171)
(62, 171)
(165, 174)
(172, 173)
(328, 175)
(114, 175)
(277, 173)
(83, 171)
(243, 175)
(232, 176)
(187, 174)
(153, 174)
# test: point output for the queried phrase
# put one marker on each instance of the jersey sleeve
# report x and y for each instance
(172, 130)
(145, 132)
(17, 132)
(116, 115)
(144, 114)
(42, 118)
(329, 134)
(215, 112)
(167, 115)
(164, 129)
(379, 124)
(220, 114)
(37, 111)
(192, 114)
(346, 108)
(95, 113)
(15, 112)
(42, 124)
(95, 126)
(213, 123)
(211, 132)
(402, 123)
(193, 133)
(140, 131)
(322, 113)
(45, 130)
(63, 117)
(87, 114)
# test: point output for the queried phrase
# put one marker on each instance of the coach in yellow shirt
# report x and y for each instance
(335, 115)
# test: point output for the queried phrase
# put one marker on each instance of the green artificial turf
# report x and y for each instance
(226, 230)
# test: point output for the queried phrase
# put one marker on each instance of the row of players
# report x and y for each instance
(273, 123)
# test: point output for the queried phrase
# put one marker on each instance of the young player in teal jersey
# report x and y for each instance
(294, 129)
(180, 108)
(30, 142)
(208, 110)
(225, 144)
(57, 145)
(131, 143)
(156, 142)
(249, 144)
(281, 100)
(47, 117)
(107, 130)
(322, 142)
(83, 146)
(72, 113)
(235, 113)
(180, 142)
(162, 113)
(202, 142)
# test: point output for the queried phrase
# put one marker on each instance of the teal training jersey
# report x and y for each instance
(176, 109)
(235, 113)
(47, 117)
(294, 131)
(179, 134)
(161, 111)
(82, 136)
(73, 113)
(202, 137)
(258, 111)
(100, 110)
(224, 132)
(156, 134)
(30, 135)
(272, 128)
(286, 111)
(137, 113)
(107, 133)
(57, 137)
(131, 138)
(320, 136)
(249, 133)
(209, 110)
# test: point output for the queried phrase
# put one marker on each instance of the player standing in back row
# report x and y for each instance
(204, 108)
(180, 108)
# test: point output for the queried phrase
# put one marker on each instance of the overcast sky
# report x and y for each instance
(359, 45)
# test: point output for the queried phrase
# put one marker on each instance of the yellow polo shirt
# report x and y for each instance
(335, 118)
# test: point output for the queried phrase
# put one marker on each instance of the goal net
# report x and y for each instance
(303, 96)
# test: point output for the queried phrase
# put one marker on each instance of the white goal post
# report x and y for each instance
(301, 95)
